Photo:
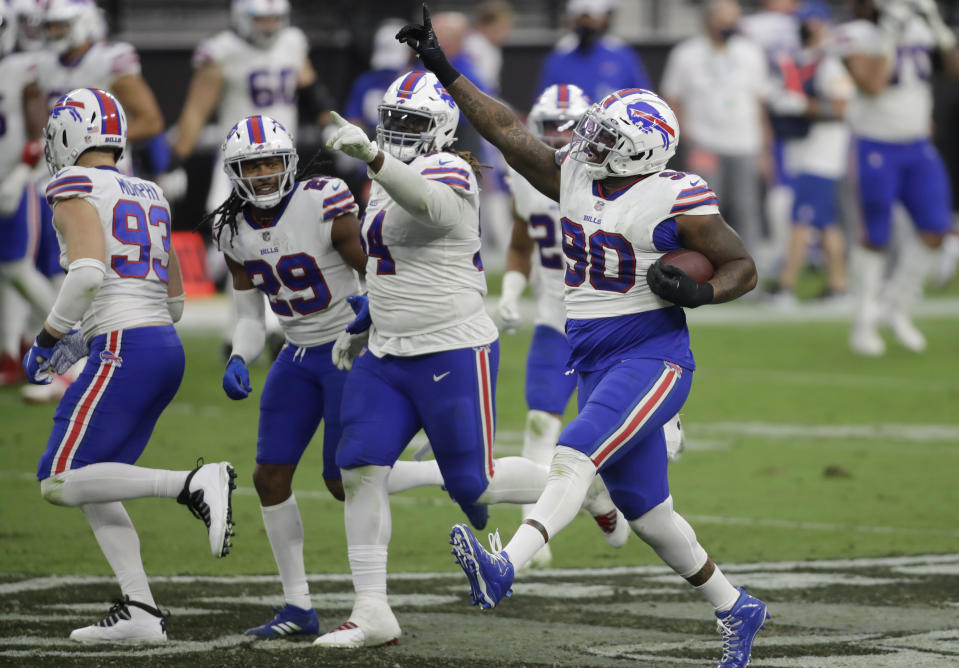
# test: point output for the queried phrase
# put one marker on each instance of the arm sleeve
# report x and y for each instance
(249, 335)
(83, 279)
(421, 196)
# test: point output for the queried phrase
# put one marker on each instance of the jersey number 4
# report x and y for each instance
(296, 272)
(131, 227)
(591, 256)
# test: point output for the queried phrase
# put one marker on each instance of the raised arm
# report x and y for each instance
(492, 119)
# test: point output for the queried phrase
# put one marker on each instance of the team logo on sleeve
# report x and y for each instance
(108, 357)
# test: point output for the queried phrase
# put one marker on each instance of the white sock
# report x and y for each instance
(515, 480)
(905, 286)
(539, 439)
(407, 475)
(284, 528)
(368, 566)
(671, 537)
(120, 544)
(866, 271)
(109, 481)
(570, 475)
(368, 525)
(718, 591)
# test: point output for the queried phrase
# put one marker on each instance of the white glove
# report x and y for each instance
(173, 184)
(351, 140)
(507, 311)
(347, 347)
(788, 103)
(70, 348)
(929, 11)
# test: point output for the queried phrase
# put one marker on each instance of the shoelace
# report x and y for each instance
(495, 543)
(118, 611)
(730, 634)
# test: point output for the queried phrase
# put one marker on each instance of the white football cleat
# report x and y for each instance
(127, 622)
(599, 504)
(906, 332)
(50, 393)
(371, 624)
(207, 493)
(865, 340)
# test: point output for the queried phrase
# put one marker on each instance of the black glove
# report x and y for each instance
(422, 39)
(675, 285)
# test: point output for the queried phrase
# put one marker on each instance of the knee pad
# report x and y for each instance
(571, 463)
(355, 477)
(51, 489)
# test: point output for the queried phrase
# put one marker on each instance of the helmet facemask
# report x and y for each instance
(246, 185)
(595, 142)
(405, 133)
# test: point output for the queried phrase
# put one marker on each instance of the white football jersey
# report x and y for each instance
(99, 67)
(426, 284)
(902, 112)
(136, 229)
(294, 263)
(611, 240)
(255, 80)
(17, 70)
(549, 266)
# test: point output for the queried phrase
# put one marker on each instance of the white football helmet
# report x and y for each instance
(84, 20)
(82, 119)
(244, 13)
(417, 116)
(630, 131)
(556, 111)
(259, 137)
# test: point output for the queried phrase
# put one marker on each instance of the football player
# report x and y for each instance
(433, 350)
(295, 238)
(259, 66)
(77, 54)
(889, 52)
(124, 291)
(20, 220)
(621, 211)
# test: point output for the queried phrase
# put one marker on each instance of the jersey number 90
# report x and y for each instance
(590, 256)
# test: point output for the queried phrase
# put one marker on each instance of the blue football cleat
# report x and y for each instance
(477, 514)
(738, 627)
(289, 621)
(490, 575)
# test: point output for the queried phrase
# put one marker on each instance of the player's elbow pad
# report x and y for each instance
(83, 279)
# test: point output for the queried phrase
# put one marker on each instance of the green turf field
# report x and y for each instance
(796, 451)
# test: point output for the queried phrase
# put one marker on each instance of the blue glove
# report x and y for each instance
(361, 307)
(236, 380)
(36, 363)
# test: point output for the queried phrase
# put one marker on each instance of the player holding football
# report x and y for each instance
(433, 350)
(123, 287)
(295, 238)
(630, 346)
(888, 50)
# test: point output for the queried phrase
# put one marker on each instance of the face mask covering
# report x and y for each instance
(587, 36)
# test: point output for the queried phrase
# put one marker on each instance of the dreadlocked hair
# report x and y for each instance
(473, 162)
(224, 216)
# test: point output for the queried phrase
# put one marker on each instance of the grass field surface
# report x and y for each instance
(800, 459)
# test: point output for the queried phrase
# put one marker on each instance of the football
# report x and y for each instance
(694, 263)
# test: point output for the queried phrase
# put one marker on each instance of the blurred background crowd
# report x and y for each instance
(739, 74)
